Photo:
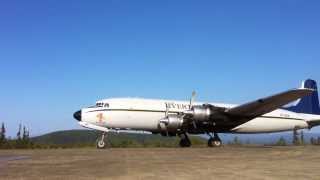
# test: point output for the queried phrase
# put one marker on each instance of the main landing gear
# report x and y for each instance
(214, 141)
(102, 141)
(184, 141)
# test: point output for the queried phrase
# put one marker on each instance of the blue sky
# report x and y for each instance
(58, 56)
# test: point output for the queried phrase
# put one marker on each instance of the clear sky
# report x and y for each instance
(59, 56)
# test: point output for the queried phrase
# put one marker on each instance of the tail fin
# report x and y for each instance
(308, 104)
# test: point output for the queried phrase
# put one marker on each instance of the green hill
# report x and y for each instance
(87, 138)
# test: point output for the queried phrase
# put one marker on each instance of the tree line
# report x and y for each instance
(298, 139)
(22, 140)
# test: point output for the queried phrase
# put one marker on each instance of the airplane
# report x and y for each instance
(286, 111)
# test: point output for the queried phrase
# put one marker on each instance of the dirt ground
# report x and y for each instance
(163, 163)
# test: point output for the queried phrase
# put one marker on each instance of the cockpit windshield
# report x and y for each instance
(100, 104)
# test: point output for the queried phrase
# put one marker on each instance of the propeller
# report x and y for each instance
(192, 99)
(167, 111)
(164, 122)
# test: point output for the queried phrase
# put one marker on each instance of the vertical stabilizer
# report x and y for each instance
(308, 104)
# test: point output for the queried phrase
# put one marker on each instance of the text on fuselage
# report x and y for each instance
(170, 105)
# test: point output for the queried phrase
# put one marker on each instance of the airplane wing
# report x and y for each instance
(265, 105)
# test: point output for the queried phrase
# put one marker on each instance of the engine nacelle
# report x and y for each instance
(201, 113)
(205, 112)
(171, 123)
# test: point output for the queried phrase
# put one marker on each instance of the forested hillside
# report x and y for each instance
(70, 138)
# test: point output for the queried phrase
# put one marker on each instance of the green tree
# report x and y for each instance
(24, 134)
(281, 142)
(18, 142)
(236, 141)
(295, 138)
(313, 141)
(301, 138)
(25, 141)
(3, 139)
(19, 133)
(2, 132)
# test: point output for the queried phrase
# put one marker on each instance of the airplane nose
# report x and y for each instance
(77, 115)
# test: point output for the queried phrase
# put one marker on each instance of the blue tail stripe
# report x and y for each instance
(308, 104)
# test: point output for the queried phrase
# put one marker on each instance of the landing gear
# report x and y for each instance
(214, 141)
(102, 142)
(184, 141)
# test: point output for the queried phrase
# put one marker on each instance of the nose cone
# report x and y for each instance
(77, 115)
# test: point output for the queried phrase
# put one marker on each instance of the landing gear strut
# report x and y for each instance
(184, 141)
(102, 142)
(214, 141)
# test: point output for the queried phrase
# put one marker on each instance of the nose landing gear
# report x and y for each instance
(214, 141)
(102, 142)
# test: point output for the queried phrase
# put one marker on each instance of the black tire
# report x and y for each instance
(217, 143)
(210, 142)
(185, 143)
(214, 142)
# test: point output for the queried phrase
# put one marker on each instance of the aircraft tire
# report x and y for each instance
(101, 143)
(214, 142)
(185, 142)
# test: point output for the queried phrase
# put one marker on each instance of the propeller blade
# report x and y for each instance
(193, 97)
(167, 111)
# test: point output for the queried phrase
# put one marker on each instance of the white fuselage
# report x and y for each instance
(145, 114)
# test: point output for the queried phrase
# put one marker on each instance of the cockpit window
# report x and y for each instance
(101, 104)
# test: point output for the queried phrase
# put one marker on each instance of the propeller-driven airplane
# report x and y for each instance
(292, 109)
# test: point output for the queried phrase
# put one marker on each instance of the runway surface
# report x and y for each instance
(4, 159)
(163, 163)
